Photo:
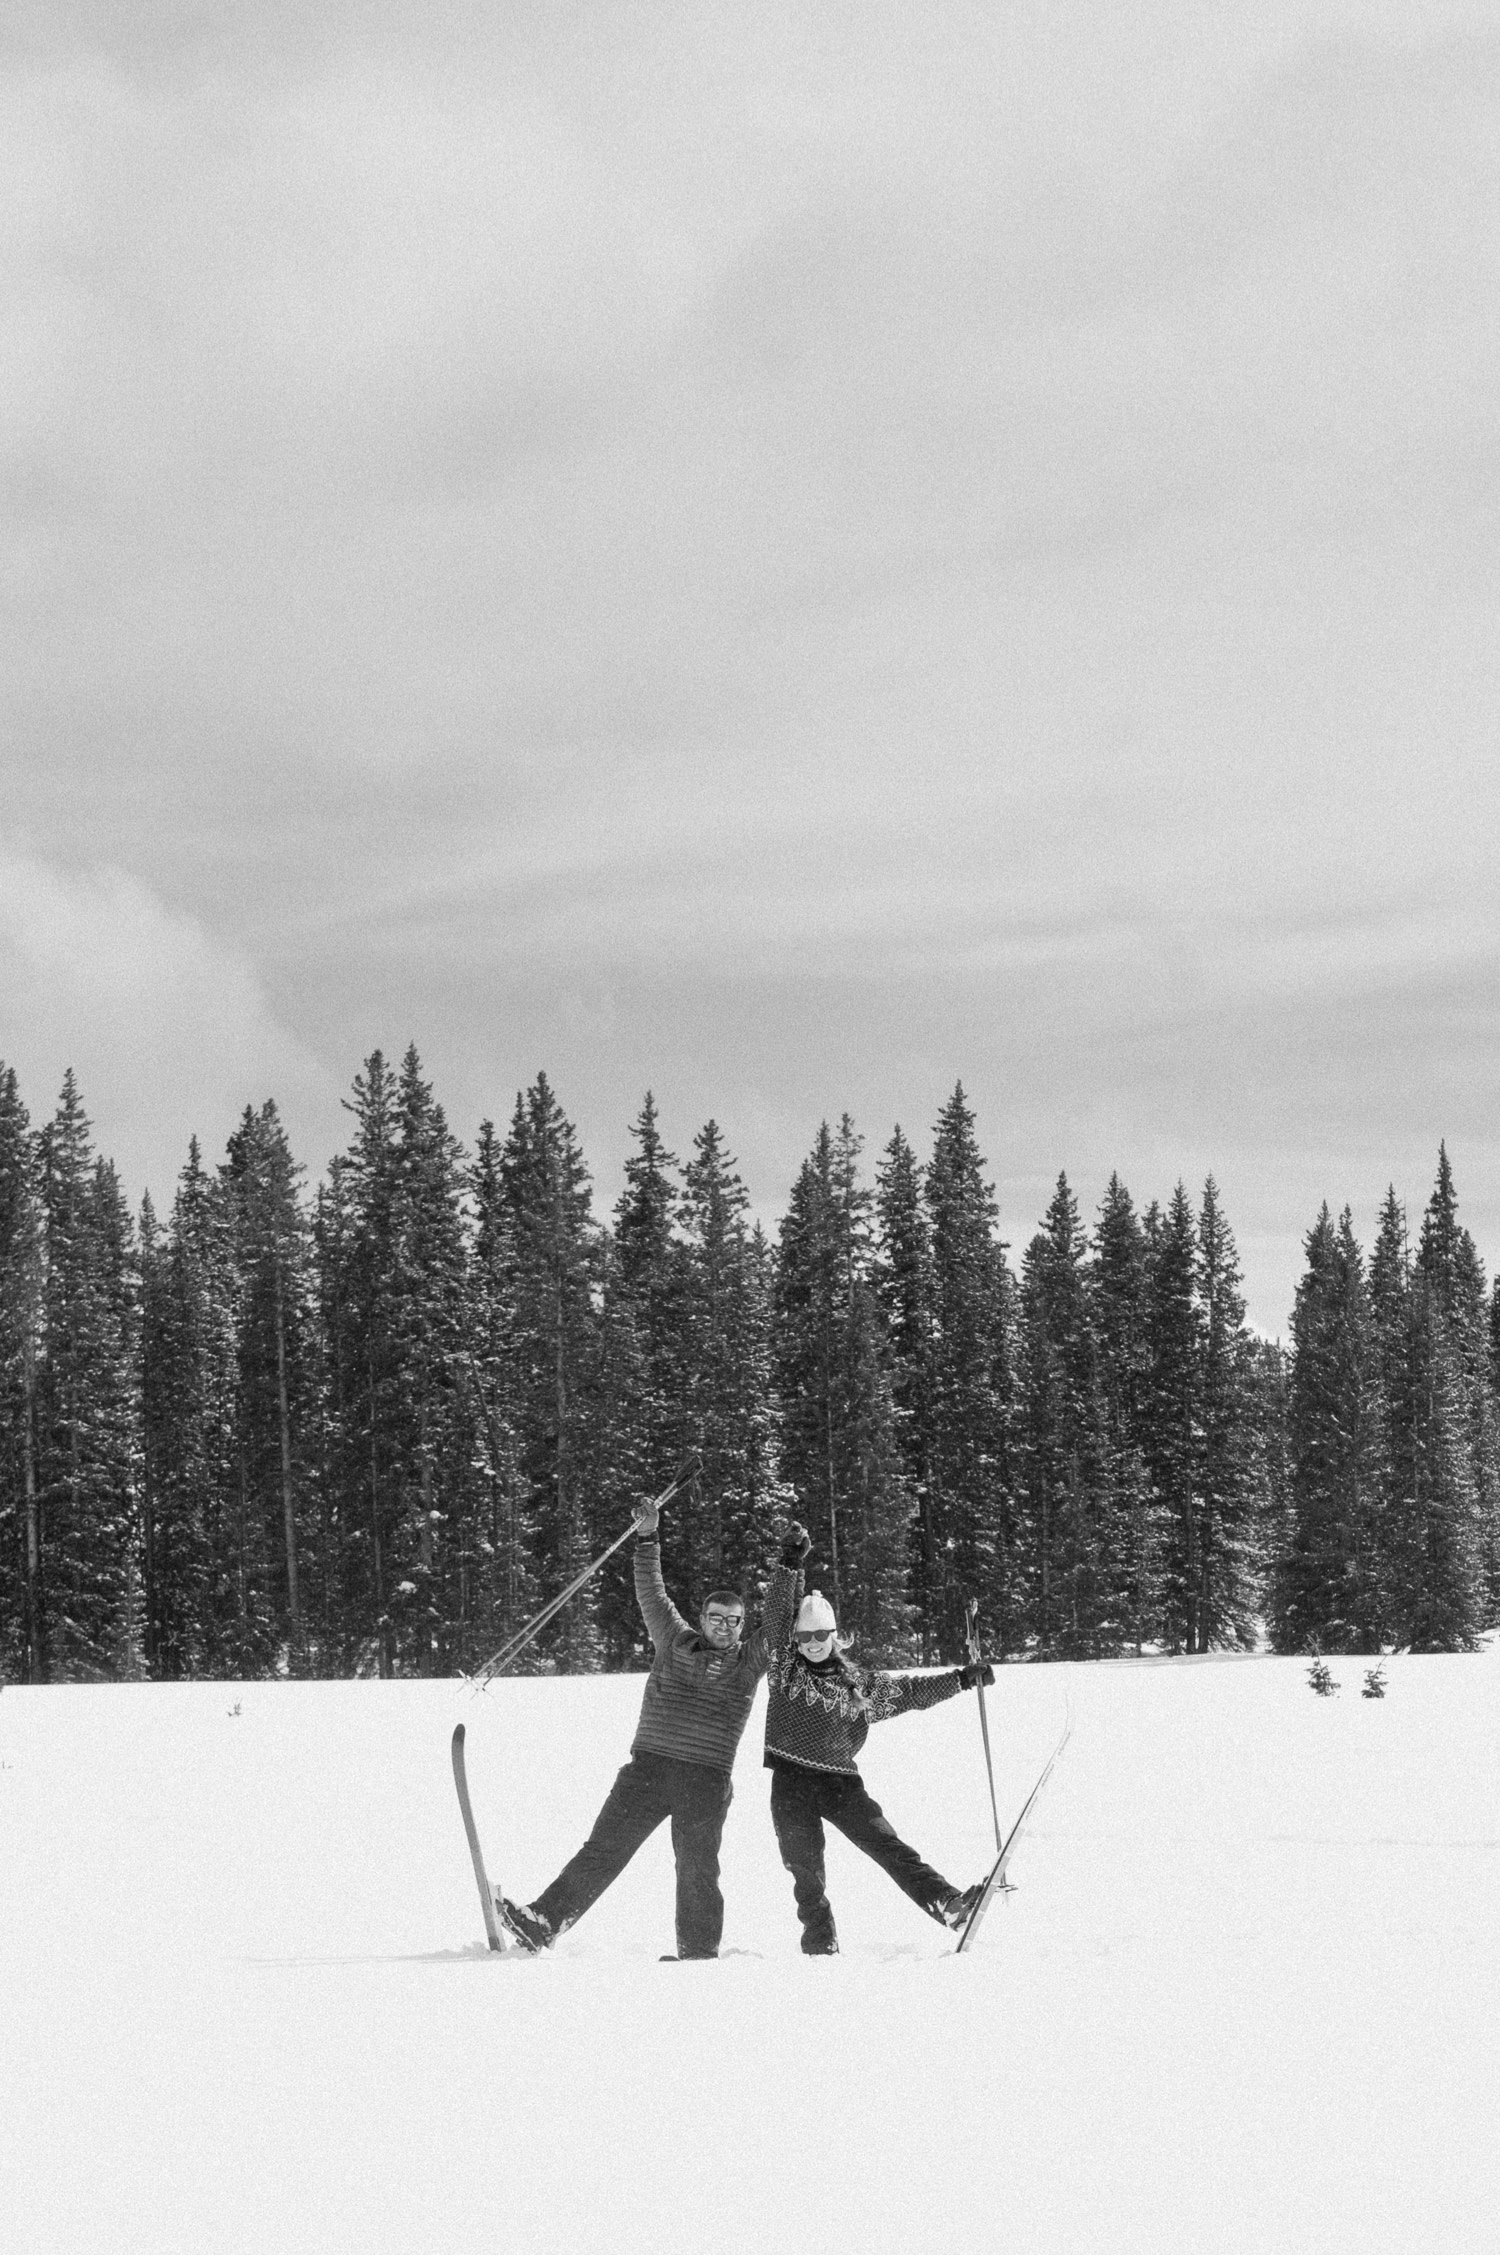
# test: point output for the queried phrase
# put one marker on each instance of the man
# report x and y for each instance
(698, 1697)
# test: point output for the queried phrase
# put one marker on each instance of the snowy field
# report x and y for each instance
(1247, 1995)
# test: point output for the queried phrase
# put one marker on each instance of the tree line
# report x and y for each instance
(369, 1427)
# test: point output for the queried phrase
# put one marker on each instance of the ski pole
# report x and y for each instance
(972, 1632)
(517, 1644)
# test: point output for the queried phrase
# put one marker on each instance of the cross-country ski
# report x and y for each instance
(997, 1882)
(492, 1929)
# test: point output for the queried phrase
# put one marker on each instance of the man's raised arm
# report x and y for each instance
(661, 1616)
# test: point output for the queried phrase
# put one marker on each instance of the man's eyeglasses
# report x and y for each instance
(724, 1620)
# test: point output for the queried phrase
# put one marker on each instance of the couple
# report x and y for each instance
(698, 1697)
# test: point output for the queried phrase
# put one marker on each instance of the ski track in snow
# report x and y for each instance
(1245, 1996)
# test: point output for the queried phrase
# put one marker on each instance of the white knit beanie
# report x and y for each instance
(815, 1612)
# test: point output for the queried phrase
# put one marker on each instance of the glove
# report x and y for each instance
(647, 1519)
(795, 1546)
(977, 1672)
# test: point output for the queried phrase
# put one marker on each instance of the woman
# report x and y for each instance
(821, 1707)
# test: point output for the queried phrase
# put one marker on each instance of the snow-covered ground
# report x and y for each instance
(1247, 1995)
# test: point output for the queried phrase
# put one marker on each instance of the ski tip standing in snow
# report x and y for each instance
(492, 1933)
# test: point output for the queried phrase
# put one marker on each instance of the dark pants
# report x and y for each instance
(649, 1788)
(801, 1802)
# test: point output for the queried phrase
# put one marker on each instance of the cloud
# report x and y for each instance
(167, 1029)
(515, 510)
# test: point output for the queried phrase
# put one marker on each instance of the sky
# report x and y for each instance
(791, 557)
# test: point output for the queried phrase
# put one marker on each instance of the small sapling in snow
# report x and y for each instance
(1321, 1679)
(1374, 1683)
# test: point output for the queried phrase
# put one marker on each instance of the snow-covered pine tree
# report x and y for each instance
(260, 1184)
(207, 1608)
(729, 1399)
(639, 1429)
(1448, 1258)
(1326, 1591)
(839, 1449)
(808, 1296)
(500, 1593)
(355, 1236)
(87, 1404)
(118, 1408)
(902, 1276)
(556, 1255)
(1172, 1427)
(1129, 1522)
(1430, 1569)
(1269, 1372)
(1231, 1496)
(339, 1578)
(21, 1337)
(967, 1545)
(437, 1512)
(156, 1325)
(1059, 1445)
(1444, 1600)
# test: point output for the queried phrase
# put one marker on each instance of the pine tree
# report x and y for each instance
(556, 1259)
(117, 1406)
(810, 1296)
(426, 1539)
(340, 1494)
(839, 1448)
(167, 1653)
(502, 1593)
(1448, 1259)
(1172, 1427)
(1397, 1539)
(640, 1425)
(273, 1351)
(1443, 1601)
(1326, 1594)
(903, 1281)
(432, 1441)
(1430, 1569)
(1130, 1524)
(86, 1406)
(356, 1242)
(1270, 1372)
(730, 1415)
(1060, 1443)
(966, 1536)
(1231, 1496)
(21, 1334)
(206, 1598)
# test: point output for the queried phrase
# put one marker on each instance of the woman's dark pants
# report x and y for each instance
(802, 1801)
(650, 1788)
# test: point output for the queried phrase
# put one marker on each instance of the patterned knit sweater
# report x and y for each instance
(819, 1717)
(698, 1700)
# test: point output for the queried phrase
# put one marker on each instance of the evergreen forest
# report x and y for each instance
(370, 1427)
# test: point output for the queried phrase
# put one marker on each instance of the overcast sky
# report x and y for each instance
(790, 555)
